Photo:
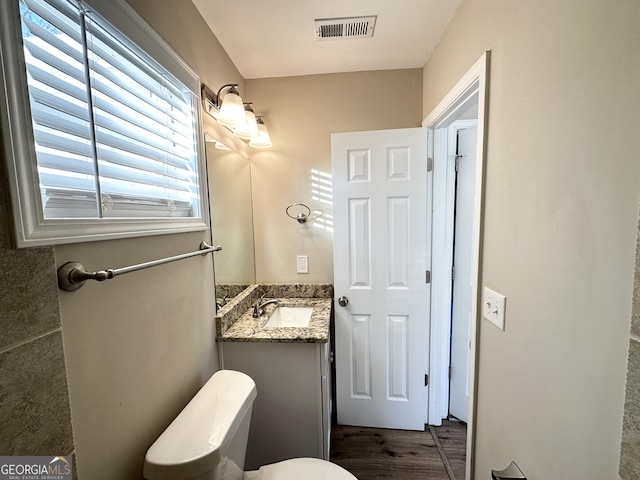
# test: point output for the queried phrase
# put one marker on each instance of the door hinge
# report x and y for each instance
(428, 276)
(449, 373)
(458, 162)
(426, 380)
(429, 164)
(453, 272)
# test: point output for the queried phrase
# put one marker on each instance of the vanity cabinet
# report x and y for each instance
(292, 412)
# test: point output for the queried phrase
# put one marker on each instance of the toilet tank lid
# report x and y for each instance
(198, 437)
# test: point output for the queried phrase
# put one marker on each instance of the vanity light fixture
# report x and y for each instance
(238, 117)
(248, 128)
(231, 110)
(226, 107)
(262, 138)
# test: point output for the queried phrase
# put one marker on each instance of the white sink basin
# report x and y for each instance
(296, 317)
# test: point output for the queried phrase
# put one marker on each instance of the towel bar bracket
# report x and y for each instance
(72, 275)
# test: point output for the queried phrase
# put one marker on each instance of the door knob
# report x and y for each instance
(342, 301)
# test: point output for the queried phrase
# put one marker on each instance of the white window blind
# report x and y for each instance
(115, 133)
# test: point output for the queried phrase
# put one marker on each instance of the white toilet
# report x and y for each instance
(208, 440)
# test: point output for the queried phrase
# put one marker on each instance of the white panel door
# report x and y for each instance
(381, 255)
(462, 259)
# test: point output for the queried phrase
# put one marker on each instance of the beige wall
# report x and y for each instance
(562, 188)
(139, 346)
(301, 113)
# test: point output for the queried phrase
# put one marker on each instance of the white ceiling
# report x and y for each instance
(276, 38)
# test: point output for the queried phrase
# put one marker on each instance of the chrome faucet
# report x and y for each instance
(258, 307)
(221, 302)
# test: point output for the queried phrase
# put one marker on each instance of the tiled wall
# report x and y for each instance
(34, 402)
(630, 450)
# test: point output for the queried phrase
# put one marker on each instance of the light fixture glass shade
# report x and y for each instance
(261, 139)
(249, 128)
(232, 110)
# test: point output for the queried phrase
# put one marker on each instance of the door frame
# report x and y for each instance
(473, 86)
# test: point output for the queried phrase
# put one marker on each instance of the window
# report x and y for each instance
(109, 143)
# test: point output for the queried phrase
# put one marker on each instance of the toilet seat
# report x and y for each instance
(304, 468)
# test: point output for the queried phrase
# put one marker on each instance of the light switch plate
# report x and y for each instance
(493, 307)
(302, 263)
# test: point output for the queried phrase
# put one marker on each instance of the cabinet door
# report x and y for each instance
(287, 415)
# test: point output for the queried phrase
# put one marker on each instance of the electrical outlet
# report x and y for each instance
(493, 307)
(302, 263)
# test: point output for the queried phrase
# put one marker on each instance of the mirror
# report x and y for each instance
(229, 175)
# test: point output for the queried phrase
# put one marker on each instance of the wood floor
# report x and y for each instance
(438, 453)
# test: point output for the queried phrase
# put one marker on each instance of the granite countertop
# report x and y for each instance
(249, 329)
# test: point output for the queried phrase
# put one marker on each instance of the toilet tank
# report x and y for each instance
(208, 439)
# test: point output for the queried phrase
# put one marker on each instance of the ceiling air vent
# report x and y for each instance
(353, 27)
